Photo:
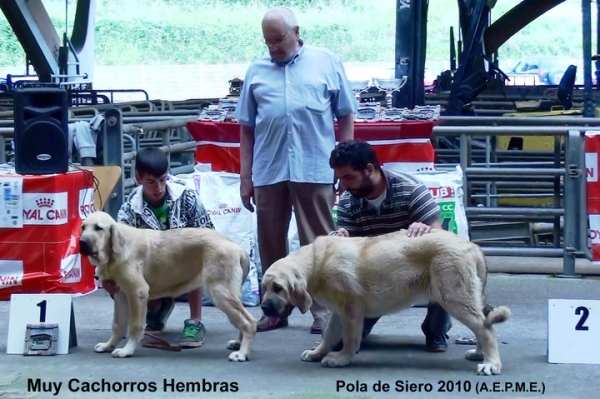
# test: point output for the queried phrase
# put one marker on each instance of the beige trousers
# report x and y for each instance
(312, 204)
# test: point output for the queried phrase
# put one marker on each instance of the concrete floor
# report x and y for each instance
(394, 354)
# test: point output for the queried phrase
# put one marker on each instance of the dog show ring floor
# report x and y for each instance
(392, 362)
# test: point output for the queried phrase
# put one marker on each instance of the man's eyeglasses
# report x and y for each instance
(277, 43)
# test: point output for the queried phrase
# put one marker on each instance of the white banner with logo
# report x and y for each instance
(446, 188)
(591, 167)
(45, 208)
(11, 273)
(594, 229)
(592, 149)
(86, 202)
(219, 192)
(70, 269)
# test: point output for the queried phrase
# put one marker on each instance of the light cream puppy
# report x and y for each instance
(362, 277)
(148, 264)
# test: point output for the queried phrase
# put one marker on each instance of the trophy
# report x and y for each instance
(373, 95)
(235, 86)
(389, 86)
(358, 86)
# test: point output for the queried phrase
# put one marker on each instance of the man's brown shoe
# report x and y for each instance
(318, 326)
(270, 323)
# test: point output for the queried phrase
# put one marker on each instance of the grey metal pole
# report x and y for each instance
(2, 149)
(482, 131)
(509, 172)
(113, 155)
(557, 186)
(405, 49)
(162, 124)
(574, 173)
(588, 104)
(7, 131)
(488, 120)
(516, 211)
(464, 163)
(182, 169)
(597, 63)
(511, 251)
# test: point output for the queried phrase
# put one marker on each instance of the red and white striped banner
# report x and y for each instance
(409, 144)
(592, 149)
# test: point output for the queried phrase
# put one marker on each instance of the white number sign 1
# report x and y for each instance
(41, 308)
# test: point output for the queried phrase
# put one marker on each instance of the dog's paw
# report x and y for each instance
(336, 359)
(237, 357)
(473, 354)
(489, 369)
(234, 345)
(103, 347)
(311, 355)
(122, 352)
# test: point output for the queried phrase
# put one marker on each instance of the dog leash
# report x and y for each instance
(156, 342)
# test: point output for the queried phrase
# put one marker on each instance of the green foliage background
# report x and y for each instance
(131, 32)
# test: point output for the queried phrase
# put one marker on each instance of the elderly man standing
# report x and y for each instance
(286, 110)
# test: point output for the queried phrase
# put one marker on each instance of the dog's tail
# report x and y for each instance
(493, 315)
(497, 314)
(245, 263)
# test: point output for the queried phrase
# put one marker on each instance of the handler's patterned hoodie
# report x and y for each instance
(185, 209)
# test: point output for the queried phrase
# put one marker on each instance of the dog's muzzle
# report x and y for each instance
(270, 309)
(85, 248)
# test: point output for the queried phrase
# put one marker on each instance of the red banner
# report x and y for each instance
(394, 142)
(592, 149)
(43, 256)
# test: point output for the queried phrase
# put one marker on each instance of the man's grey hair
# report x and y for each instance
(283, 14)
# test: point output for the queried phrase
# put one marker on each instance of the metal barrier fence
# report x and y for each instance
(492, 177)
(558, 174)
(565, 174)
(497, 102)
(125, 139)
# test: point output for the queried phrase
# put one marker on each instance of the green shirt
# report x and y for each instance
(162, 214)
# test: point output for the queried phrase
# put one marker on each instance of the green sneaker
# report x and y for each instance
(156, 319)
(193, 335)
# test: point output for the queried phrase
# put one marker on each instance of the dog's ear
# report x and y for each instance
(301, 297)
(117, 241)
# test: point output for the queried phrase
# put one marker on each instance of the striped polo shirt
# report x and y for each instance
(407, 201)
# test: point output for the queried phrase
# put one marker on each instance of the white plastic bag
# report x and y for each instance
(447, 190)
(293, 240)
(219, 192)
(293, 237)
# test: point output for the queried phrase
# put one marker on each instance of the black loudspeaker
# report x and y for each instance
(41, 131)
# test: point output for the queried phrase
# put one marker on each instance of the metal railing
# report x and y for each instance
(123, 140)
(566, 181)
(558, 175)
(492, 177)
